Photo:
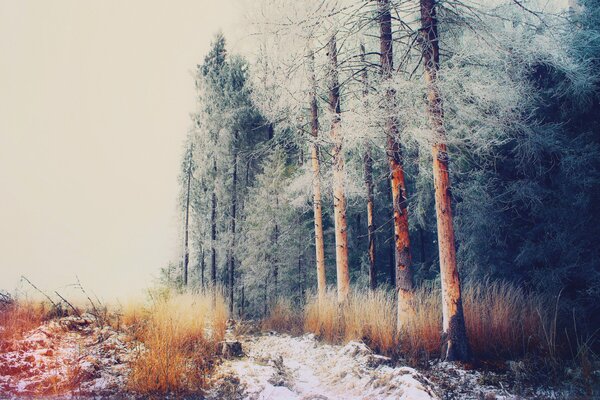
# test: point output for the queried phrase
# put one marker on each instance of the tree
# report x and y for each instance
(454, 336)
(404, 278)
(339, 196)
(368, 162)
(188, 165)
(316, 180)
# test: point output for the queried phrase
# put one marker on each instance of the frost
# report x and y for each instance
(69, 356)
(284, 367)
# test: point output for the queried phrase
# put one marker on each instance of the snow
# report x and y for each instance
(284, 367)
(68, 356)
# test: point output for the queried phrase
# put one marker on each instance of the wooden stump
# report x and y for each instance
(231, 349)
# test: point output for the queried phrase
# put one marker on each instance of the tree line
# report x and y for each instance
(401, 142)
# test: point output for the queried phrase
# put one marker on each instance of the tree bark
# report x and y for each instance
(455, 345)
(339, 196)
(368, 161)
(213, 232)
(316, 181)
(276, 258)
(186, 257)
(202, 268)
(404, 278)
(233, 217)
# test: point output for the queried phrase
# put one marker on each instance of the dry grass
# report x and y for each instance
(19, 317)
(368, 316)
(180, 333)
(503, 321)
(283, 317)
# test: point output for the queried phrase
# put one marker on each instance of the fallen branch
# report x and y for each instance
(36, 288)
(69, 304)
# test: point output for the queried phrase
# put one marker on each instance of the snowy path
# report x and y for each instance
(283, 367)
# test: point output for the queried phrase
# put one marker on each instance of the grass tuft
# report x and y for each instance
(180, 335)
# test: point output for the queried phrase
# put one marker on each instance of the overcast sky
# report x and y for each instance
(95, 99)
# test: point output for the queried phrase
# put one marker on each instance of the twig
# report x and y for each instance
(69, 304)
(36, 288)
(96, 313)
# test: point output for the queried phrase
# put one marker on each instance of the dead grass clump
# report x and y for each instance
(180, 335)
(503, 321)
(421, 338)
(368, 316)
(19, 317)
(284, 317)
(323, 318)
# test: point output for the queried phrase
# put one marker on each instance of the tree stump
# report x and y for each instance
(231, 349)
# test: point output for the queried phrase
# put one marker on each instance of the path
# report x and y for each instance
(283, 367)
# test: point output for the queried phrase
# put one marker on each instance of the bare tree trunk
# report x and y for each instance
(317, 206)
(339, 196)
(370, 218)
(266, 296)
(243, 302)
(368, 160)
(454, 336)
(186, 257)
(202, 268)
(213, 232)
(276, 258)
(233, 217)
(404, 279)
(300, 275)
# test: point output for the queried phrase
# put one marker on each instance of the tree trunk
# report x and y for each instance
(213, 232)
(317, 206)
(202, 269)
(300, 276)
(276, 258)
(186, 256)
(370, 218)
(243, 302)
(233, 217)
(368, 160)
(404, 279)
(266, 296)
(455, 345)
(339, 197)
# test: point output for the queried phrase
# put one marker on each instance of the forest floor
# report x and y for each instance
(279, 366)
(75, 357)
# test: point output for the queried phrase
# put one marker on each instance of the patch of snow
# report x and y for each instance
(284, 367)
(69, 356)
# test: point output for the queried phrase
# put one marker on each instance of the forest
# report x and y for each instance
(416, 183)
(400, 147)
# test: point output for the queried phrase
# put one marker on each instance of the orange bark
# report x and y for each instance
(454, 337)
(404, 278)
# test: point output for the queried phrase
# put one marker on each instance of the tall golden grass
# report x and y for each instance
(180, 335)
(20, 317)
(503, 321)
(284, 317)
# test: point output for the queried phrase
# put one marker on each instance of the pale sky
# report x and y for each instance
(95, 99)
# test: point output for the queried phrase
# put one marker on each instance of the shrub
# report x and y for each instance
(180, 335)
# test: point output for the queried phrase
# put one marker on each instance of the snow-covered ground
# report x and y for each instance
(285, 367)
(68, 356)
(76, 357)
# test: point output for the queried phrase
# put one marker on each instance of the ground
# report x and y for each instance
(80, 357)
(74, 355)
(283, 367)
